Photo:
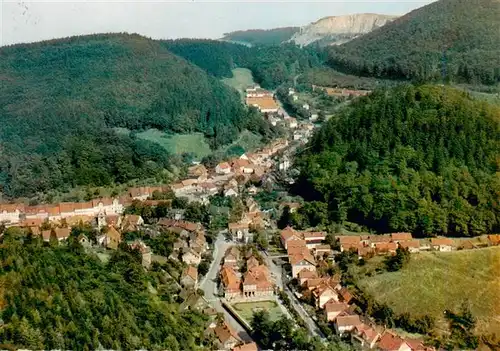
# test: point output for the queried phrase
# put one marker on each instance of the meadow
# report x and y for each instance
(247, 309)
(242, 79)
(437, 281)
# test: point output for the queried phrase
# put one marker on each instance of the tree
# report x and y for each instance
(399, 260)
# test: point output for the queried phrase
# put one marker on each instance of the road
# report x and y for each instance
(209, 285)
(280, 279)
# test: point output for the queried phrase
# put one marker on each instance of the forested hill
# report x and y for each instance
(274, 36)
(270, 65)
(421, 159)
(59, 101)
(61, 298)
(462, 33)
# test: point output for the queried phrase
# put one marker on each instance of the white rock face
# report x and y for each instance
(337, 30)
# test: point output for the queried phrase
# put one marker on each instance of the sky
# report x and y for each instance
(37, 20)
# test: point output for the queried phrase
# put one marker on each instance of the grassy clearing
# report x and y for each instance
(434, 282)
(246, 309)
(179, 143)
(242, 78)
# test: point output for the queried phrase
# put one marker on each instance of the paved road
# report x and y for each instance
(278, 274)
(209, 285)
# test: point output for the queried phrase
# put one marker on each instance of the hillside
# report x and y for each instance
(254, 37)
(270, 65)
(418, 159)
(336, 30)
(462, 33)
(61, 100)
(61, 298)
(445, 281)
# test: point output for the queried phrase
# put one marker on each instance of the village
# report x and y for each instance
(242, 277)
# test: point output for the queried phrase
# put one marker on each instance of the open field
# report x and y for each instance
(246, 309)
(434, 282)
(242, 78)
(179, 143)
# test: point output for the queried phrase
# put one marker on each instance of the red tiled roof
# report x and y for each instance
(192, 272)
(332, 306)
(346, 321)
(246, 347)
(401, 236)
(9, 208)
(229, 279)
(307, 274)
(349, 239)
(441, 242)
(345, 294)
(390, 342)
(410, 243)
(224, 332)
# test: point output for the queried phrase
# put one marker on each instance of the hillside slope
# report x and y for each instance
(462, 33)
(60, 100)
(253, 37)
(419, 159)
(336, 30)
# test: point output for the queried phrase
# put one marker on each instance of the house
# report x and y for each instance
(494, 239)
(349, 242)
(305, 275)
(344, 294)
(284, 163)
(345, 324)
(230, 192)
(412, 245)
(265, 104)
(199, 172)
(256, 282)
(239, 231)
(131, 223)
(232, 256)
(144, 250)
(112, 238)
(333, 309)
(251, 346)
(400, 237)
(84, 241)
(324, 293)
(252, 262)
(300, 262)
(291, 122)
(392, 342)
(442, 244)
(223, 168)
(382, 248)
(288, 234)
(226, 338)
(322, 250)
(313, 239)
(364, 336)
(379, 239)
(190, 277)
(191, 257)
(230, 283)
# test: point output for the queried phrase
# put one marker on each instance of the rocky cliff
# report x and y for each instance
(336, 30)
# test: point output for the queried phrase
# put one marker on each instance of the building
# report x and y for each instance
(346, 324)
(412, 245)
(223, 168)
(301, 261)
(191, 257)
(190, 277)
(324, 293)
(232, 256)
(265, 104)
(256, 282)
(401, 237)
(306, 274)
(112, 238)
(392, 342)
(365, 336)
(246, 347)
(347, 243)
(59, 234)
(230, 283)
(312, 239)
(344, 294)
(131, 223)
(442, 244)
(226, 338)
(239, 231)
(144, 250)
(333, 309)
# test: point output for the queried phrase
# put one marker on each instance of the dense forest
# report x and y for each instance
(420, 159)
(61, 298)
(454, 39)
(61, 99)
(271, 66)
(274, 36)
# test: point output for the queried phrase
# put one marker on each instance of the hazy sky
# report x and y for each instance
(40, 20)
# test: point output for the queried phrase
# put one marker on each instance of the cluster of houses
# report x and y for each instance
(342, 91)
(262, 99)
(226, 338)
(305, 253)
(253, 219)
(244, 277)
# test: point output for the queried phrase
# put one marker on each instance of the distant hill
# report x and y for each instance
(61, 100)
(462, 34)
(261, 36)
(336, 30)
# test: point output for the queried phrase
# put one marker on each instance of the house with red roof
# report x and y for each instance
(365, 336)
(223, 168)
(332, 309)
(442, 244)
(346, 323)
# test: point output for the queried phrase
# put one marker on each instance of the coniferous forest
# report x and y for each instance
(421, 159)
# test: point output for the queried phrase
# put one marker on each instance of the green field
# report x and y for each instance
(178, 143)
(246, 309)
(434, 282)
(242, 78)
